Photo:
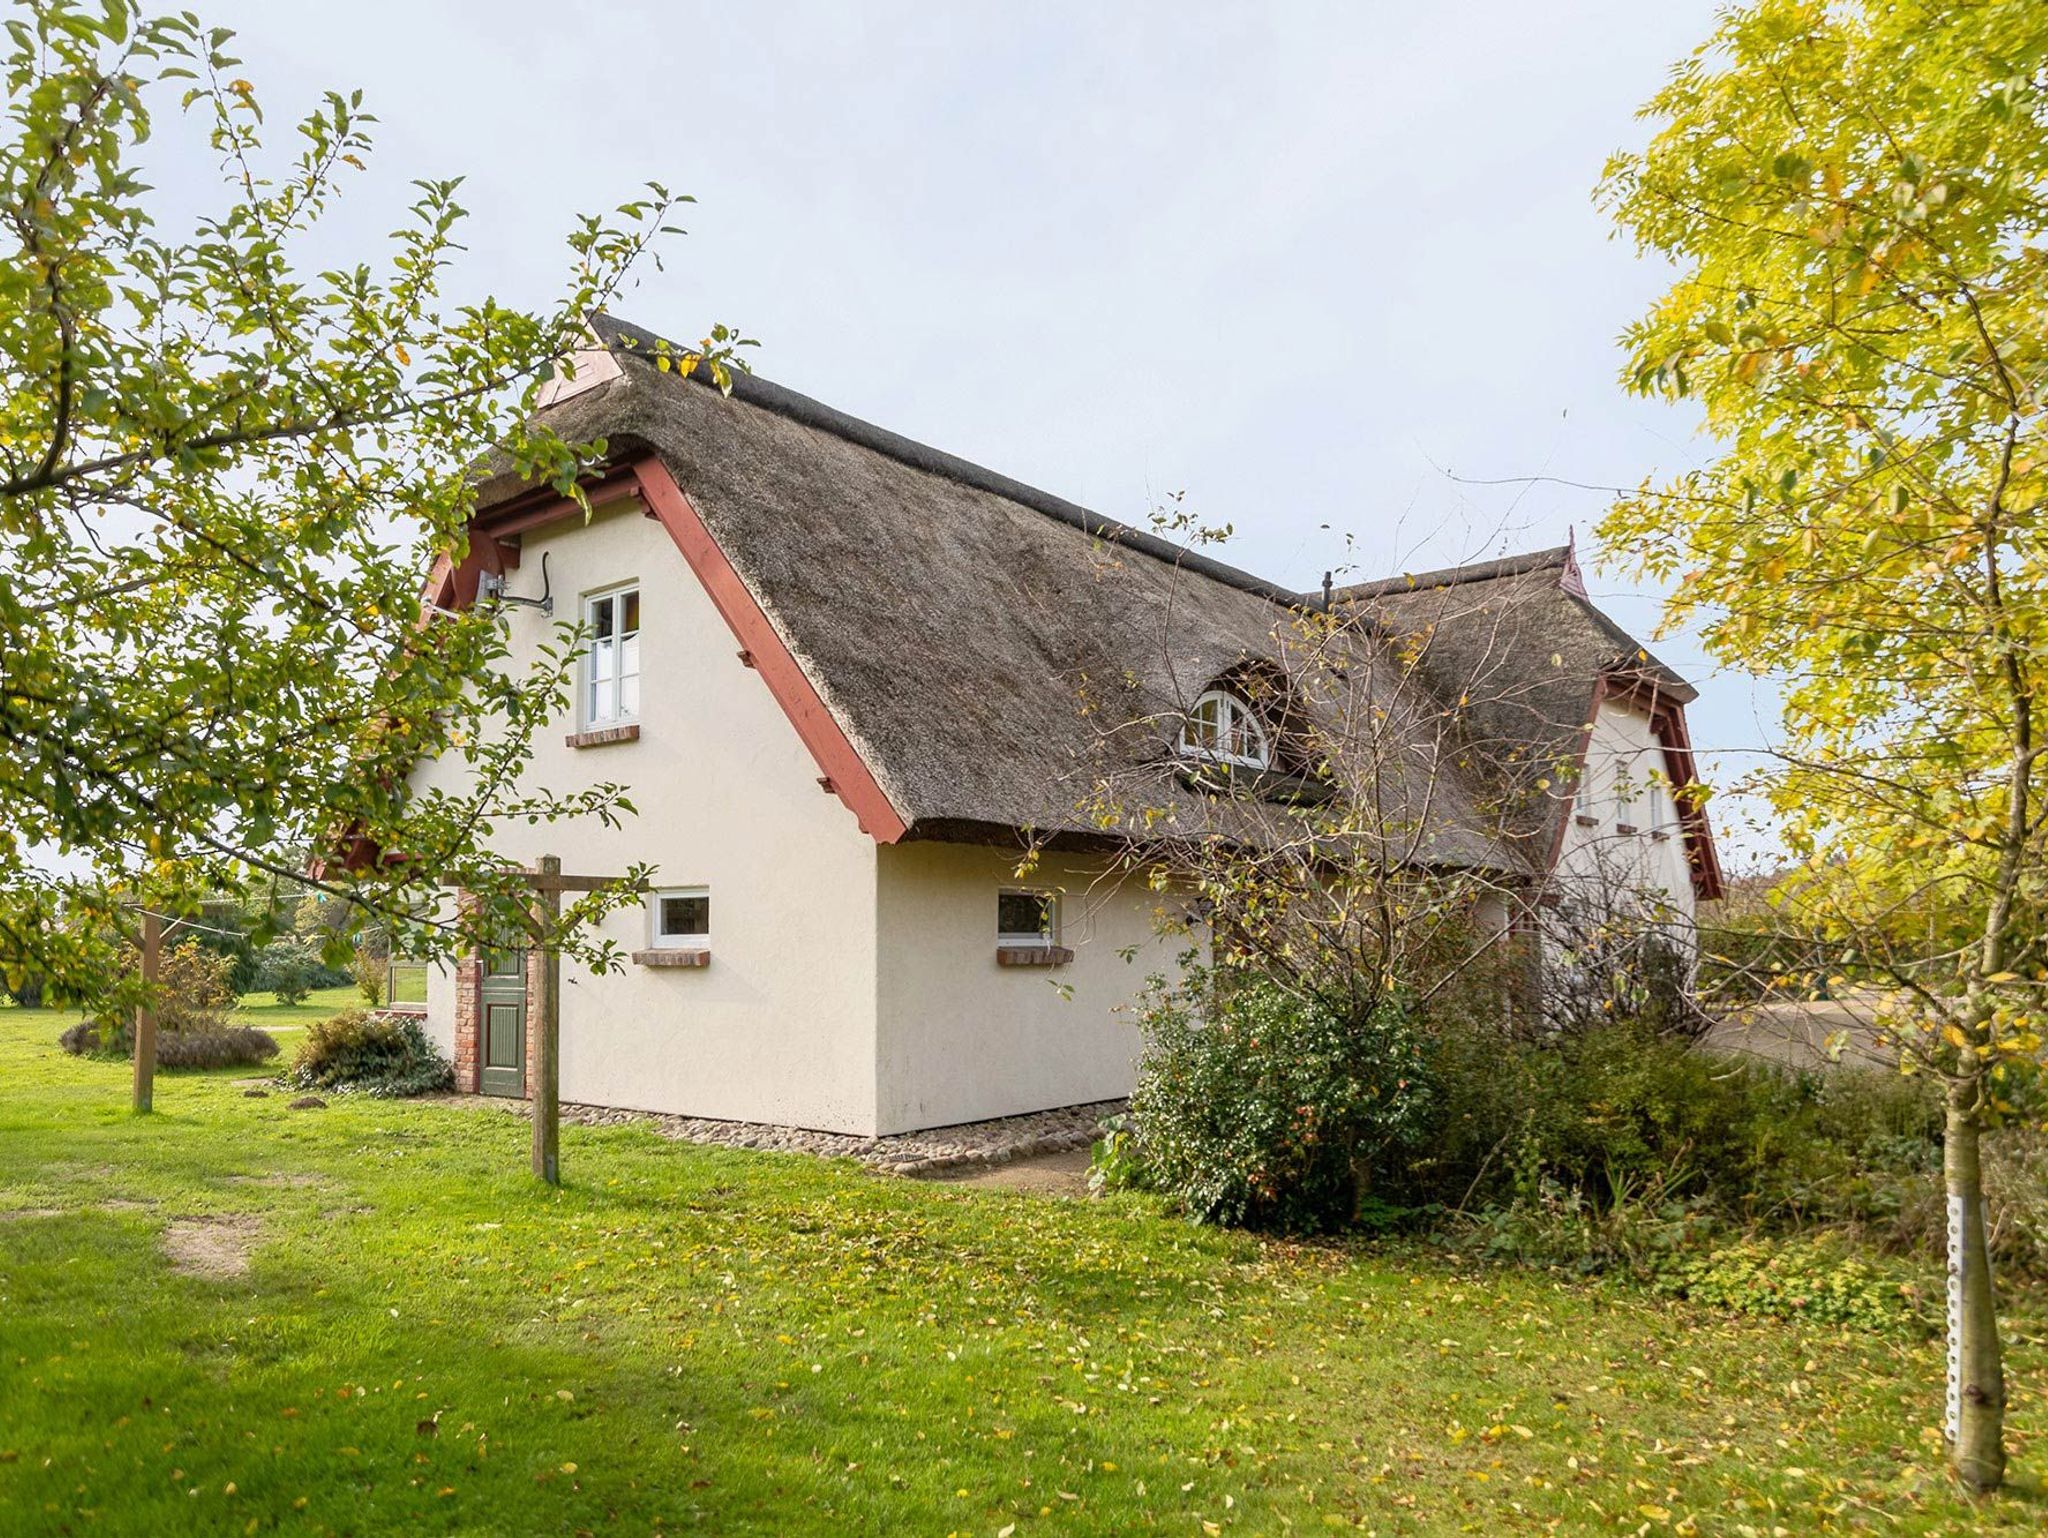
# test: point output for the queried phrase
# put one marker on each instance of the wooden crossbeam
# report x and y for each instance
(544, 880)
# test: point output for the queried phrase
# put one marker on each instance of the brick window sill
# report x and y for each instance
(672, 957)
(604, 736)
(1626, 828)
(1586, 822)
(1033, 955)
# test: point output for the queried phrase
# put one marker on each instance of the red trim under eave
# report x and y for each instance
(838, 760)
(1667, 720)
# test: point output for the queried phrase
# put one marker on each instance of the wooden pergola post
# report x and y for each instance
(549, 884)
(145, 1015)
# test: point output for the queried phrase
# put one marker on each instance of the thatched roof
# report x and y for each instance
(1522, 650)
(994, 652)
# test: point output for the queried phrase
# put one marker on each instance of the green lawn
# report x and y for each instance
(697, 1340)
(260, 1009)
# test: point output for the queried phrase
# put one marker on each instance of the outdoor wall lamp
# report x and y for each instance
(491, 585)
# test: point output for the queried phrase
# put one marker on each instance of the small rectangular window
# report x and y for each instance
(1027, 918)
(682, 918)
(611, 669)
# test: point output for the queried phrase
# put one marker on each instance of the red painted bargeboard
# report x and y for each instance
(837, 758)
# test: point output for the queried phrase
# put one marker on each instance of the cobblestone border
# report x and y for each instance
(942, 1150)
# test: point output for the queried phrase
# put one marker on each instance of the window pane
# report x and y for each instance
(601, 618)
(603, 694)
(1248, 740)
(629, 622)
(1024, 913)
(685, 914)
(629, 696)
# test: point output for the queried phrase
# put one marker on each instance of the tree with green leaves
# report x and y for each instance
(223, 480)
(1856, 200)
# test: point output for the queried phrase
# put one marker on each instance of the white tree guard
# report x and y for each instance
(1954, 1424)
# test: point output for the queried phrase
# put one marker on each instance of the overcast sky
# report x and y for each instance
(1309, 265)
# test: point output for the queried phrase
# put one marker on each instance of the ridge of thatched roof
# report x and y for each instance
(622, 335)
(1558, 556)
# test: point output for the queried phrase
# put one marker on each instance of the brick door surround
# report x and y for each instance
(469, 983)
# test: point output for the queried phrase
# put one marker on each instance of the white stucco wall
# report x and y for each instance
(780, 1027)
(1616, 792)
(962, 1038)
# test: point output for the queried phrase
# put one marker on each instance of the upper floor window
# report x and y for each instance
(1663, 807)
(611, 669)
(1625, 794)
(1222, 728)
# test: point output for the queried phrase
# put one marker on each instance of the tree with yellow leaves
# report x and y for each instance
(1856, 200)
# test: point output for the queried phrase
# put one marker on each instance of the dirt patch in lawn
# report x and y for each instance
(291, 1181)
(215, 1247)
(1054, 1174)
(31, 1212)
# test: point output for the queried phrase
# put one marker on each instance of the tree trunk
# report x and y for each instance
(1976, 1370)
(145, 1017)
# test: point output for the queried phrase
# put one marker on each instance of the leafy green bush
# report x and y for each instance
(285, 972)
(1620, 1108)
(1580, 1151)
(195, 991)
(1800, 1280)
(288, 970)
(1114, 1163)
(383, 1055)
(371, 971)
(1260, 1108)
(1635, 1233)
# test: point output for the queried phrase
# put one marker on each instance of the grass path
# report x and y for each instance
(688, 1339)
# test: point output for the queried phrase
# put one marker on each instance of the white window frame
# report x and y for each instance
(1045, 938)
(1233, 717)
(1625, 789)
(659, 939)
(592, 717)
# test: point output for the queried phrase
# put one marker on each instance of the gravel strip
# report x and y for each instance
(941, 1150)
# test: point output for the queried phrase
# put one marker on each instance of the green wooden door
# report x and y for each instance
(503, 1007)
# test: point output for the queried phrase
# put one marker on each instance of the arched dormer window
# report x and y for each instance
(1223, 729)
